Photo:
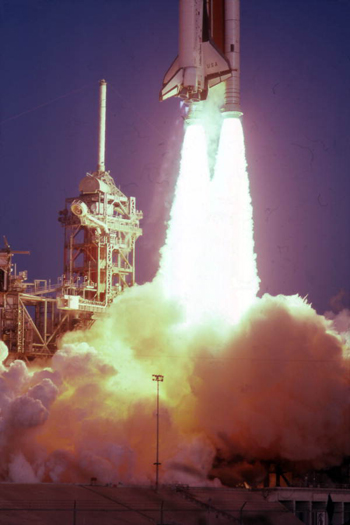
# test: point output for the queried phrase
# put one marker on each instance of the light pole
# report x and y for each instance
(159, 378)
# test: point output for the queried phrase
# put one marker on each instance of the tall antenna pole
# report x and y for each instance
(159, 378)
(102, 127)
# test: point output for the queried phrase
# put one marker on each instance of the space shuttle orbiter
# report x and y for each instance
(200, 64)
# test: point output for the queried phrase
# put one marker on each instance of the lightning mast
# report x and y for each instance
(102, 127)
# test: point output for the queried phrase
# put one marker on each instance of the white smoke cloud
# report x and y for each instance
(271, 387)
(275, 387)
(281, 381)
(20, 470)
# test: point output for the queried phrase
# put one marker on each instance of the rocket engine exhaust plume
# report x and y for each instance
(273, 388)
(246, 380)
(182, 255)
(230, 228)
(208, 261)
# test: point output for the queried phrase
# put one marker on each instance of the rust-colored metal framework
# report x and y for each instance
(101, 227)
(30, 322)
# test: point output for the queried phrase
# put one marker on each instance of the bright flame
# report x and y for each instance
(232, 266)
(208, 261)
(182, 253)
(273, 386)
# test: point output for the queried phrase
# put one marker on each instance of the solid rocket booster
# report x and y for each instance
(232, 52)
(200, 64)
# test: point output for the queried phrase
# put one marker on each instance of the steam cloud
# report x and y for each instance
(272, 387)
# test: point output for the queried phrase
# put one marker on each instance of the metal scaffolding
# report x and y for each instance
(101, 227)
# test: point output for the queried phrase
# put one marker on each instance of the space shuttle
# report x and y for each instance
(204, 61)
(208, 52)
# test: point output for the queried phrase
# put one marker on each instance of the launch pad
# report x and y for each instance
(101, 227)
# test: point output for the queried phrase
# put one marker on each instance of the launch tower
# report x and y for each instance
(101, 227)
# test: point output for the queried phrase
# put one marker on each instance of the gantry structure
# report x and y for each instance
(101, 226)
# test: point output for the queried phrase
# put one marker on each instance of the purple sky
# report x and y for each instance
(295, 99)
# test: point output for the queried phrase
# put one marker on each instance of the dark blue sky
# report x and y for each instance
(295, 99)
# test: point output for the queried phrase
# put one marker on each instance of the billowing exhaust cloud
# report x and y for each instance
(246, 380)
(273, 387)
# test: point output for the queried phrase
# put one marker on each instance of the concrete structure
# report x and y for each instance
(51, 504)
(67, 504)
(310, 504)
